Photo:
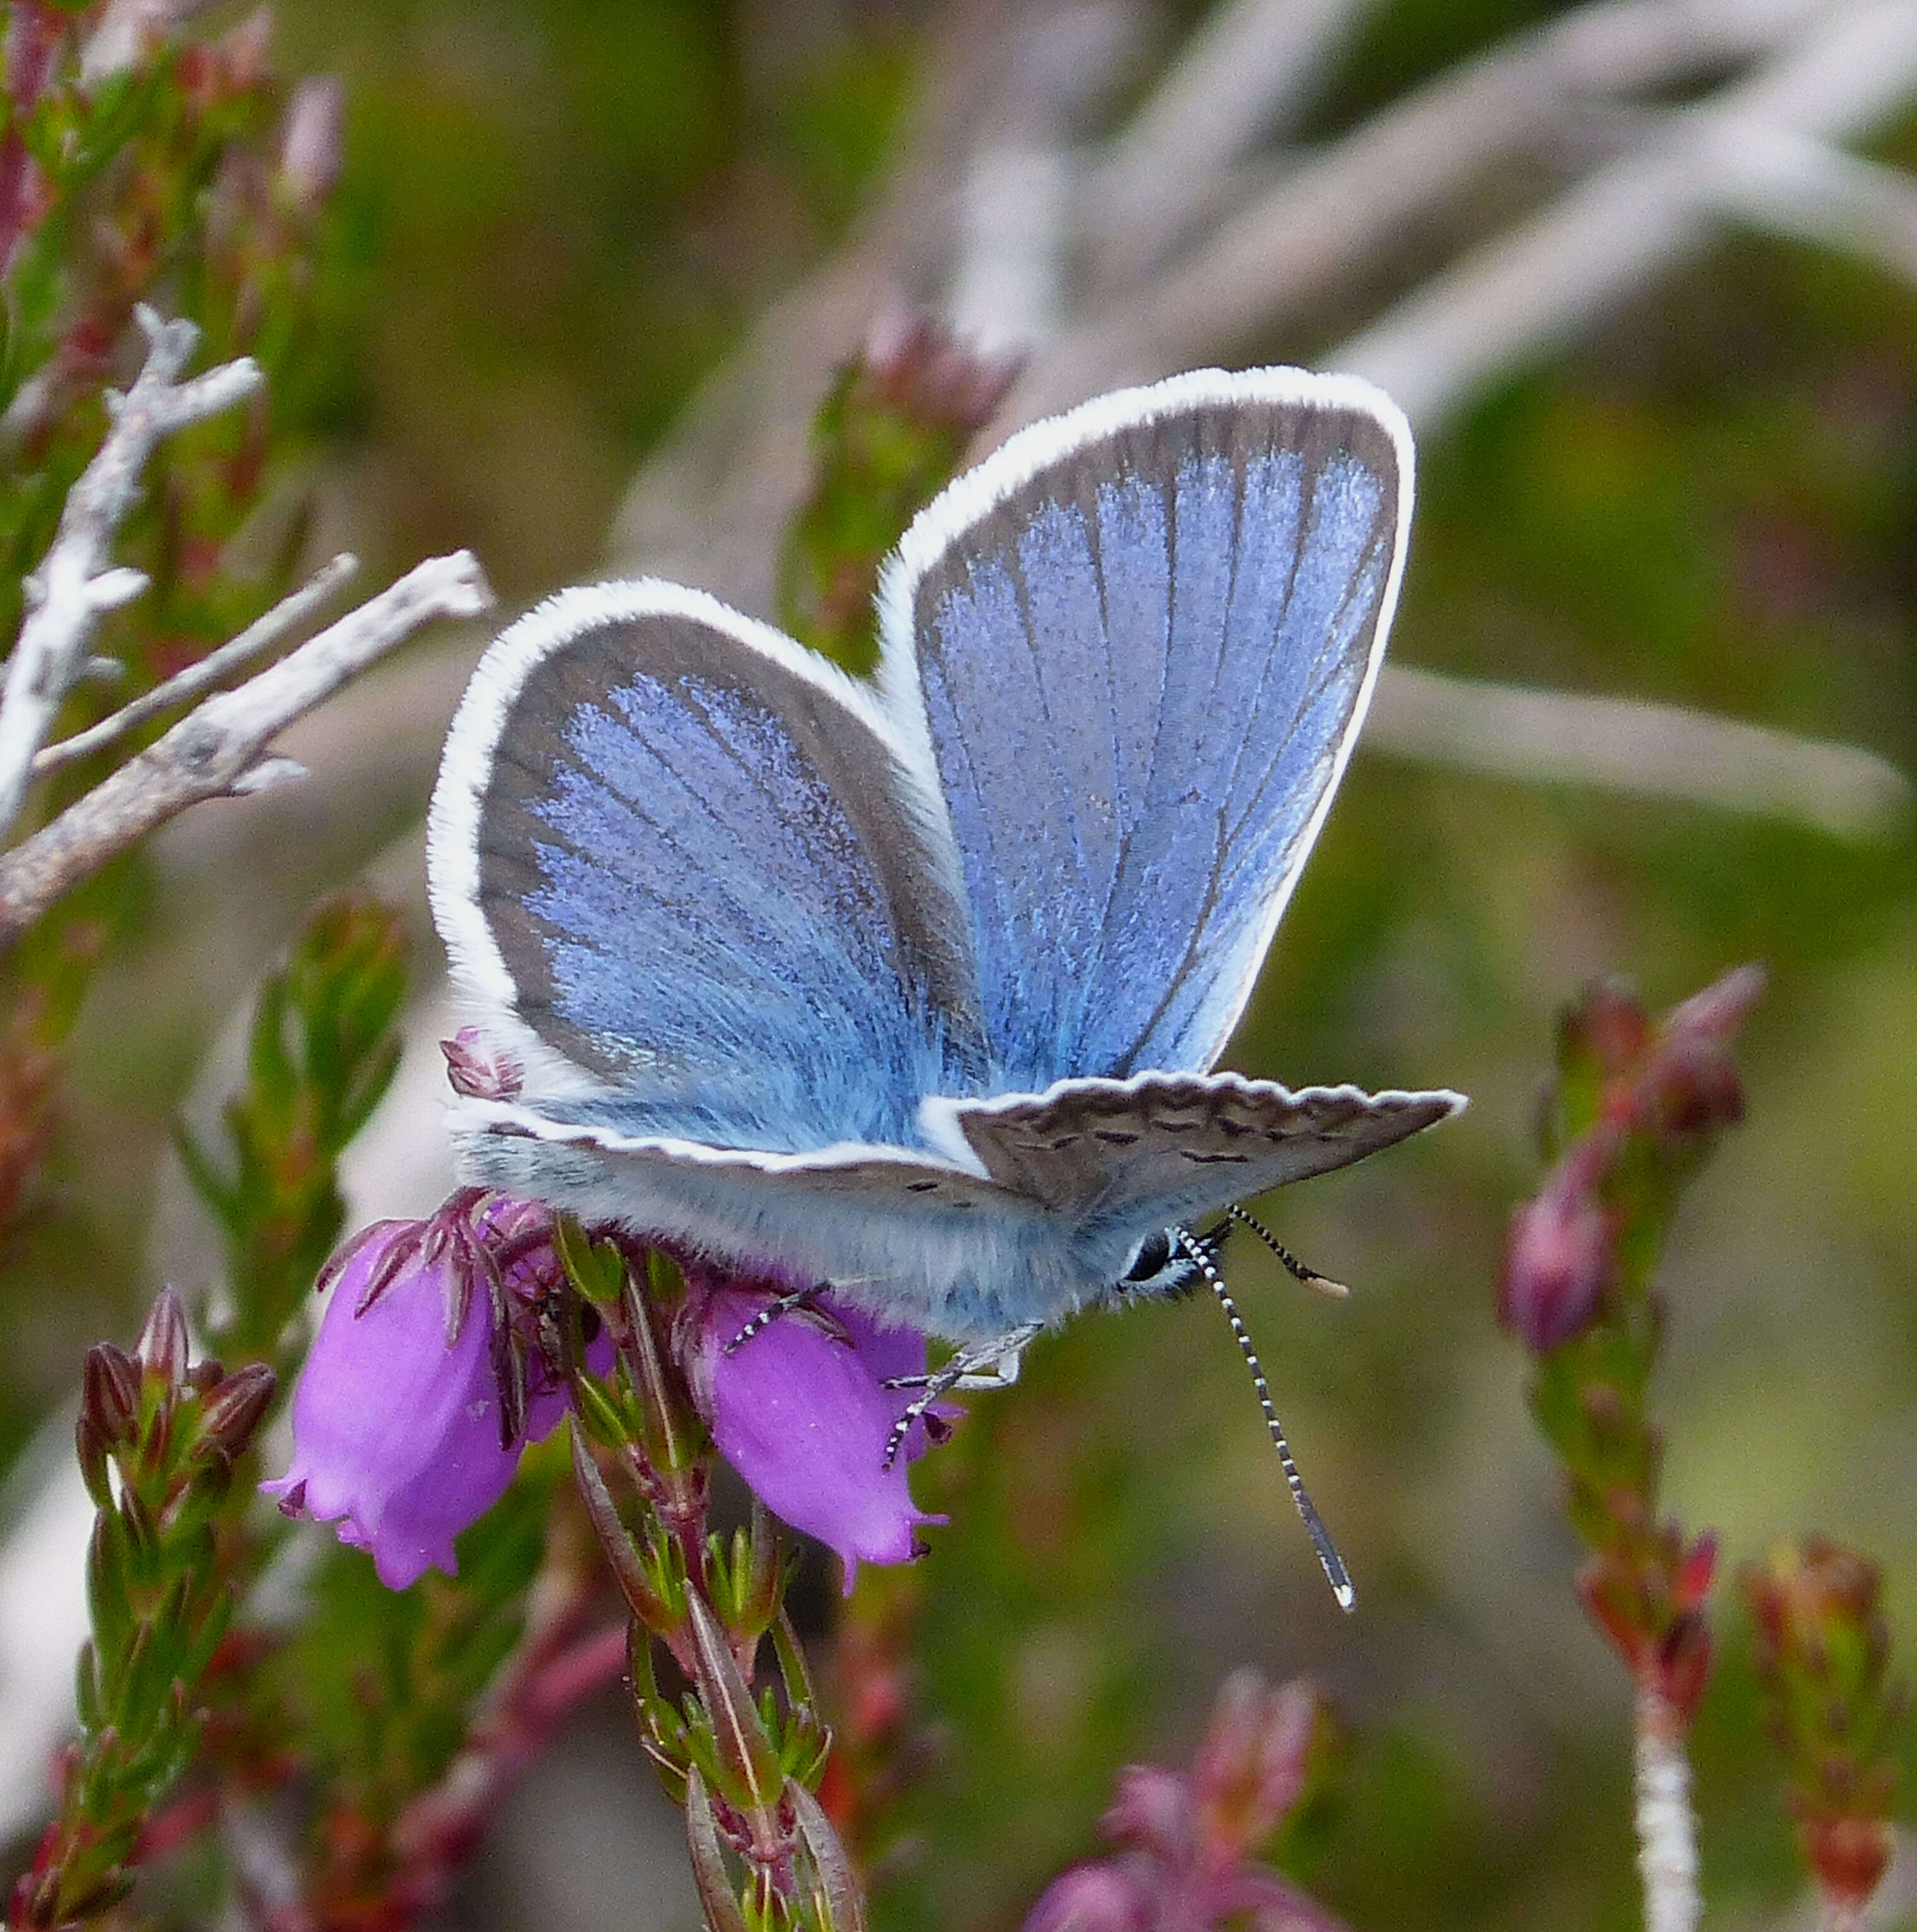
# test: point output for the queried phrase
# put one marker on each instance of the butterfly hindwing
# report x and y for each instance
(671, 846)
(1119, 1158)
(1137, 643)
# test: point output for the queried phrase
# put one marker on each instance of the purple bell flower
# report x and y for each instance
(801, 1412)
(398, 1435)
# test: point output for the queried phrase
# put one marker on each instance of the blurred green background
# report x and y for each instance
(557, 216)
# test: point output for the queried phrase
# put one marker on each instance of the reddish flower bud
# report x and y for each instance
(1251, 1768)
(1693, 1582)
(162, 1347)
(1154, 1810)
(1847, 1856)
(1683, 1665)
(477, 1069)
(1094, 1898)
(1692, 1089)
(1609, 1027)
(1720, 1009)
(238, 1406)
(110, 1394)
(1615, 1606)
(1559, 1258)
(918, 366)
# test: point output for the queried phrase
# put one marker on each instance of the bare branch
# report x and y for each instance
(710, 508)
(217, 750)
(75, 586)
(1667, 1827)
(1018, 203)
(1793, 185)
(710, 502)
(1661, 751)
(1346, 208)
(261, 635)
(1516, 298)
(1244, 71)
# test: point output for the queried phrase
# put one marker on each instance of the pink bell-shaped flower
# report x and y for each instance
(398, 1435)
(801, 1412)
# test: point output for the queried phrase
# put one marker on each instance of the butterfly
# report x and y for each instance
(913, 988)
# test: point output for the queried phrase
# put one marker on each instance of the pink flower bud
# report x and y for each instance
(1251, 1769)
(1155, 1811)
(1094, 1898)
(1559, 1260)
(477, 1069)
(310, 153)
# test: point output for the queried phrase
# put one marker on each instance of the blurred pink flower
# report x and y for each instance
(1186, 1838)
(1560, 1258)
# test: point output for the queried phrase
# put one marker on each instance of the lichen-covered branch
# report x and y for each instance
(76, 584)
(219, 750)
(259, 636)
(1666, 1826)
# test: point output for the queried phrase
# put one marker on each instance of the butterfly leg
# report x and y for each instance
(789, 1303)
(984, 1365)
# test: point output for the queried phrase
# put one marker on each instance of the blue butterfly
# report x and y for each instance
(913, 989)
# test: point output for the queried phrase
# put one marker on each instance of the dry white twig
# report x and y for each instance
(259, 636)
(220, 750)
(76, 586)
(1008, 294)
(1660, 750)
(1340, 213)
(710, 508)
(1019, 198)
(1667, 1830)
(1244, 72)
(1791, 185)
(1516, 298)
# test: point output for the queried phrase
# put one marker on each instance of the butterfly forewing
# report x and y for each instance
(690, 875)
(1139, 641)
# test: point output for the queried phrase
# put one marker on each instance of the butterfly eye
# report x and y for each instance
(1154, 1251)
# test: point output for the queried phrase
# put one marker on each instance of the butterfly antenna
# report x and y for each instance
(1298, 1270)
(1336, 1574)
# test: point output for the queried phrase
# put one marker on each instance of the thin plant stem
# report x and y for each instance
(1666, 1826)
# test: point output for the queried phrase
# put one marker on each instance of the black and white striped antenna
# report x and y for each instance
(1336, 1574)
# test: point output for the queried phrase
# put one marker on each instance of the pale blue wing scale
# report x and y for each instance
(692, 878)
(1135, 644)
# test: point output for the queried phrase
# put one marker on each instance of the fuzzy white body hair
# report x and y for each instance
(986, 1262)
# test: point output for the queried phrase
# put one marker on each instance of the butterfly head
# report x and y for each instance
(1163, 1263)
